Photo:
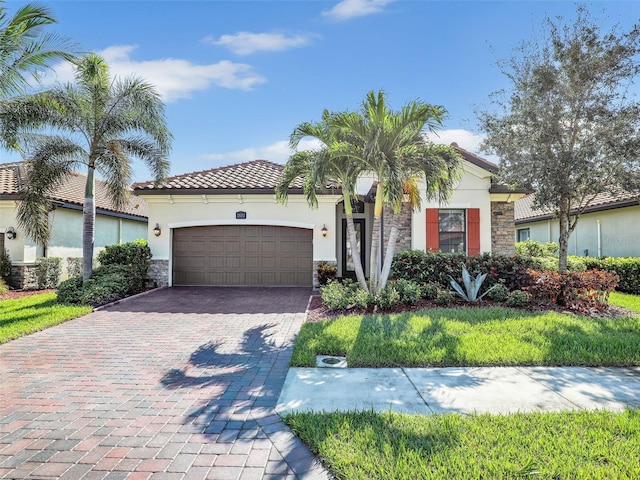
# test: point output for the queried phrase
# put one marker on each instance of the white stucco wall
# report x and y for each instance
(8, 219)
(196, 210)
(619, 232)
(471, 192)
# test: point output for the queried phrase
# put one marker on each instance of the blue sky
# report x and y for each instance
(238, 76)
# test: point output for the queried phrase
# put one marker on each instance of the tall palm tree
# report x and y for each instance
(331, 162)
(393, 146)
(26, 49)
(95, 123)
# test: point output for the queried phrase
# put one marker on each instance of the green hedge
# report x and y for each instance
(122, 273)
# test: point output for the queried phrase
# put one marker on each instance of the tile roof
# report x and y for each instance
(476, 160)
(257, 175)
(524, 209)
(72, 191)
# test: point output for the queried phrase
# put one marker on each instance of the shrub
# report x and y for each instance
(48, 271)
(430, 290)
(627, 269)
(338, 295)
(5, 265)
(3, 287)
(409, 291)
(500, 293)
(580, 291)
(70, 291)
(74, 266)
(326, 272)
(136, 255)
(532, 248)
(444, 297)
(518, 298)
(472, 286)
(388, 297)
(363, 299)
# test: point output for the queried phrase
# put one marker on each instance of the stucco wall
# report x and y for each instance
(8, 219)
(192, 210)
(472, 192)
(619, 233)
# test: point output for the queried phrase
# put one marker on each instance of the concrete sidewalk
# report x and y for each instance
(493, 390)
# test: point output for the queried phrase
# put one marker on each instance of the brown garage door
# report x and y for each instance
(242, 255)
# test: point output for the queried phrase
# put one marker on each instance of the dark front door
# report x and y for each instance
(348, 269)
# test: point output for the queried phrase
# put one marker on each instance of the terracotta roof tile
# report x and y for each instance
(524, 209)
(71, 192)
(254, 175)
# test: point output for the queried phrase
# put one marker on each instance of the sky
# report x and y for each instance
(238, 76)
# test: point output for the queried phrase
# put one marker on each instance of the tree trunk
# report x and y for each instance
(355, 252)
(391, 250)
(88, 226)
(376, 241)
(563, 240)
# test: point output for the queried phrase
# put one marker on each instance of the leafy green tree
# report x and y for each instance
(26, 49)
(568, 126)
(392, 145)
(319, 167)
(97, 123)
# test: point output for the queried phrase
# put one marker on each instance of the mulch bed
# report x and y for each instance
(318, 312)
(12, 294)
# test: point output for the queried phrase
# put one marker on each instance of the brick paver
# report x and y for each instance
(179, 383)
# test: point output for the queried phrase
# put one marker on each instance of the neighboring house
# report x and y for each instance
(225, 227)
(113, 225)
(609, 227)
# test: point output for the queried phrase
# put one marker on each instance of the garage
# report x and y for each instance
(251, 255)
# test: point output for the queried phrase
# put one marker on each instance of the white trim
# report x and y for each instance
(273, 223)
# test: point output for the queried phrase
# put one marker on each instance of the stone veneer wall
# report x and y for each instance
(503, 228)
(404, 233)
(159, 272)
(23, 276)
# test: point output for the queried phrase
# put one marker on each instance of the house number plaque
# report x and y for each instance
(241, 215)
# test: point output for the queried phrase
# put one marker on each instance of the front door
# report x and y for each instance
(348, 268)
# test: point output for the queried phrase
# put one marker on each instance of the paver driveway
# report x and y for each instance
(180, 383)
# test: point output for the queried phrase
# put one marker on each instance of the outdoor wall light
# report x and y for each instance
(156, 230)
(10, 233)
(324, 231)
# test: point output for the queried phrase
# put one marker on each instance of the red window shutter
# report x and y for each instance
(433, 242)
(473, 231)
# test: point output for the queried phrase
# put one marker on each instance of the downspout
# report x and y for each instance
(599, 238)
(549, 231)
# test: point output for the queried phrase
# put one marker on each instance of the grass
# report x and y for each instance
(26, 315)
(568, 445)
(624, 300)
(471, 337)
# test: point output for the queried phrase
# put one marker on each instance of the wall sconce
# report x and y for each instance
(10, 233)
(324, 231)
(156, 230)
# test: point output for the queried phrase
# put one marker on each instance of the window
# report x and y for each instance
(523, 234)
(452, 232)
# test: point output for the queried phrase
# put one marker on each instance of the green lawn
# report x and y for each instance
(26, 315)
(471, 337)
(568, 445)
(624, 300)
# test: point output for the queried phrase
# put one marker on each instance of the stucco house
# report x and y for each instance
(112, 225)
(225, 227)
(609, 227)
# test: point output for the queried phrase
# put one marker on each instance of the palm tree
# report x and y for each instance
(95, 123)
(331, 162)
(25, 49)
(393, 146)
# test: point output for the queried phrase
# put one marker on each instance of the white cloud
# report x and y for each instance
(173, 78)
(278, 152)
(347, 9)
(246, 43)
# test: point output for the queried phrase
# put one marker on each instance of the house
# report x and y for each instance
(609, 227)
(112, 225)
(225, 227)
